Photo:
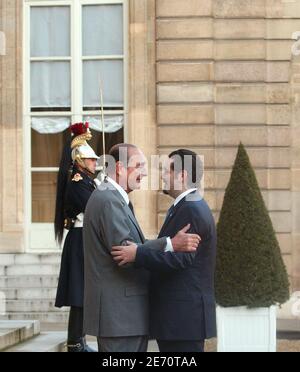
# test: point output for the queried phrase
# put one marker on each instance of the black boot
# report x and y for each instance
(76, 340)
(80, 347)
(76, 348)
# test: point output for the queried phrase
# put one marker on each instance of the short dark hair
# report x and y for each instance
(115, 150)
(189, 161)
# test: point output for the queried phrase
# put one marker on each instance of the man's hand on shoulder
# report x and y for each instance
(124, 254)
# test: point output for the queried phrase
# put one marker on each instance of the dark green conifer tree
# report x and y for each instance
(250, 269)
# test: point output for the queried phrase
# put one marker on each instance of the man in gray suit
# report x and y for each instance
(116, 304)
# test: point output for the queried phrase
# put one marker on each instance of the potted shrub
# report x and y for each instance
(251, 278)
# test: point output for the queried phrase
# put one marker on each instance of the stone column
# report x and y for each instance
(11, 138)
(142, 129)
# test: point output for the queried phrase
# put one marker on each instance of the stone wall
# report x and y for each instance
(203, 74)
(225, 74)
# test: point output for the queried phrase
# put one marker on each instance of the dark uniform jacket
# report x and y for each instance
(71, 279)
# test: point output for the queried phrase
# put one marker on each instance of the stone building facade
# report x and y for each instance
(202, 74)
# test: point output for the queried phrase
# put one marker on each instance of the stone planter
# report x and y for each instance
(246, 330)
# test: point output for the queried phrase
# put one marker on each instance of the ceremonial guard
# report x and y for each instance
(74, 188)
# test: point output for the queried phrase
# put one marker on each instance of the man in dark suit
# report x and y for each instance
(182, 311)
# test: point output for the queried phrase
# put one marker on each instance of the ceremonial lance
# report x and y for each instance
(103, 168)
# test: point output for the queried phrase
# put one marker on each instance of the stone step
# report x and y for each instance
(32, 293)
(30, 306)
(29, 259)
(29, 281)
(14, 332)
(8, 338)
(48, 342)
(16, 270)
(54, 317)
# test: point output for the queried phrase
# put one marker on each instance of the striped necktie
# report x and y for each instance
(170, 212)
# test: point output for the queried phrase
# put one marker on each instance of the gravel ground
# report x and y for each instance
(292, 346)
(283, 346)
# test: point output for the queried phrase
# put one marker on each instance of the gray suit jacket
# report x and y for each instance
(116, 302)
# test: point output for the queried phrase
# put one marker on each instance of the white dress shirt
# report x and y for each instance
(183, 195)
(120, 189)
(169, 246)
(177, 200)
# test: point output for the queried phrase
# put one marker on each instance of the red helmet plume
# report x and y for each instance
(79, 129)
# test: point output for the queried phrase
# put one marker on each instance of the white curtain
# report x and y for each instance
(103, 36)
(50, 84)
(50, 31)
(51, 80)
(54, 125)
(112, 124)
(50, 125)
(102, 30)
(110, 74)
(50, 37)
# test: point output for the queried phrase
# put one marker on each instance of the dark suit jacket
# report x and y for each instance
(182, 284)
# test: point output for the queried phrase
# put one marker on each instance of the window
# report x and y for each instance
(73, 49)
